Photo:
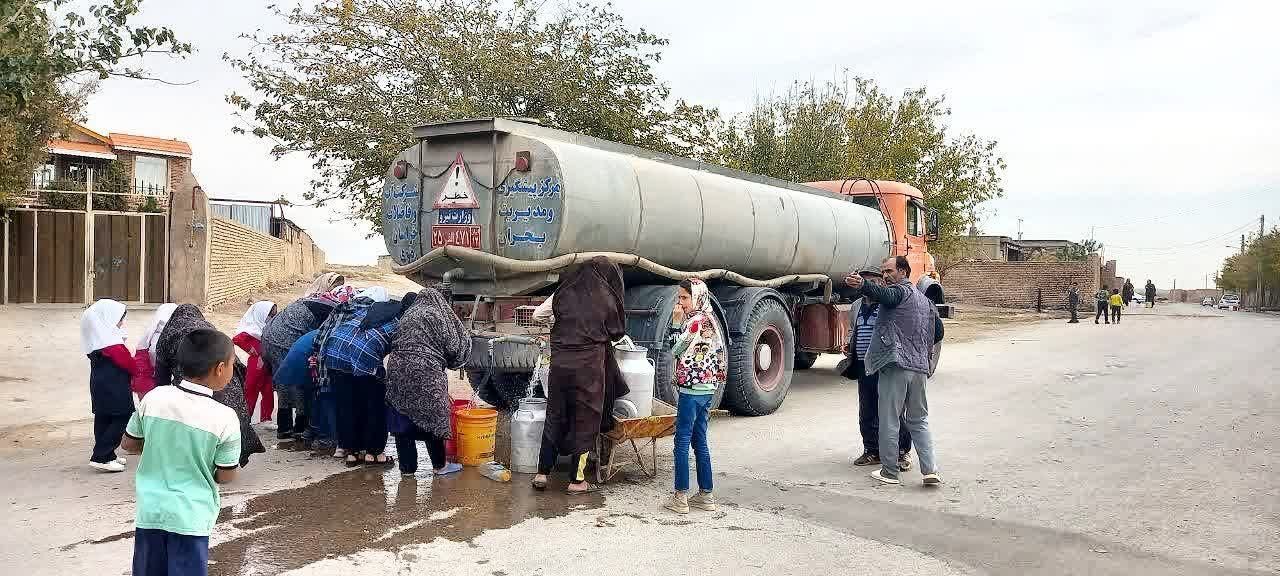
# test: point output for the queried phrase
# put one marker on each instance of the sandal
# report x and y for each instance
(371, 460)
(539, 484)
(352, 461)
(589, 489)
(340, 453)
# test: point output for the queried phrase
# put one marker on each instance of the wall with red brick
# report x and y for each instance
(1015, 284)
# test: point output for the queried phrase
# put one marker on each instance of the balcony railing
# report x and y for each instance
(108, 195)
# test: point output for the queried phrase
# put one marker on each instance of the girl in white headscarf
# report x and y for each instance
(257, 379)
(111, 368)
(144, 360)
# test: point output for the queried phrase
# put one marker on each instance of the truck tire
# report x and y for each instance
(805, 360)
(503, 390)
(648, 317)
(760, 362)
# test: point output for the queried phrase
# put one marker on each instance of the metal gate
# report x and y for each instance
(51, 256)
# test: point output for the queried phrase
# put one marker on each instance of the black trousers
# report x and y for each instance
(1101, 305)
(869, 417)
(362, 412)
(547, 460)
(108, 429)
(1115, 314)
(407, 449)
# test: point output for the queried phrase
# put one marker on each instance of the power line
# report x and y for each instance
(1195, 208)
(1181, 246)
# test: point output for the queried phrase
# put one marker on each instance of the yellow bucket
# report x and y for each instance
(477, 428)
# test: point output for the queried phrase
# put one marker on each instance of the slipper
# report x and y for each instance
(539, 484)
(339, 453)
(450, 468)
(589, 489)
(375, 462)
(353, 463)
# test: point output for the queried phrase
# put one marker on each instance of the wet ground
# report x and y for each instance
(375, 509)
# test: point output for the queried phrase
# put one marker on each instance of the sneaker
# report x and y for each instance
(932, 480)
(867, 459)
(703, 501)
(111, 466)
(879, 475)
(450, 468)
(678, 503)
(904, 461)
(123, 461)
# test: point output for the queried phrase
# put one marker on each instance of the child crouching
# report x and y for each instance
(701, 368)
(189, 443)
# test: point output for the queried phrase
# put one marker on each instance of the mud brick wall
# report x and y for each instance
(243, 261)
(1014, 284)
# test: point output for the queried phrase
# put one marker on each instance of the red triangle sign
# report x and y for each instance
(457, 191)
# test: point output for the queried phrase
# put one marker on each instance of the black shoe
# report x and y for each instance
(867, 459)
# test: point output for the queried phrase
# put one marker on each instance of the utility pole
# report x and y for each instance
(1019, 229)
(1262, 224)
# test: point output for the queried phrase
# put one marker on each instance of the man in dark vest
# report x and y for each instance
(900, 352)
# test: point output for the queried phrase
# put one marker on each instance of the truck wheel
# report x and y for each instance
(760, 362)
(805, 360)
(503, 391)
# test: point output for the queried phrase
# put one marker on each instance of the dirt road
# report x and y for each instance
(1149, 447)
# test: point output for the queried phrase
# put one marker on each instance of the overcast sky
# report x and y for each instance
(1156, 122)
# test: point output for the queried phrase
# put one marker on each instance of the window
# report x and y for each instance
(150, 175)
(914, 226)
(43, 176)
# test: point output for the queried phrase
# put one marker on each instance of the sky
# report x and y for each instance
(1150, 126)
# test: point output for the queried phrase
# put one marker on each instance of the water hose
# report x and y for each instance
(470, 255)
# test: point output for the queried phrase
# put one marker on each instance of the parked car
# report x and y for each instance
(1229, 302)
(1208, 301)
(1137, 299)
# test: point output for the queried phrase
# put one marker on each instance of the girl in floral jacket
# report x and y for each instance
(700, 369)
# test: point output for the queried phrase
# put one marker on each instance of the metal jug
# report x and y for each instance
(526, 434)
(638, 372)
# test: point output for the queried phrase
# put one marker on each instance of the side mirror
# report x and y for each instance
(932, 233)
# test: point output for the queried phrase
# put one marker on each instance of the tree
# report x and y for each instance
(47, 66)
(828, 132)
(347, 85)
(1080, 251)
(1240, 271)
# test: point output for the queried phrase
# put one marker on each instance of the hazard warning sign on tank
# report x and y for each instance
(457, 192)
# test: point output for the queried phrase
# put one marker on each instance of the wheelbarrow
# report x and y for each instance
(641, 436)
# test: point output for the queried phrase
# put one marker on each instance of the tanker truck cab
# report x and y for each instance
(497, 208)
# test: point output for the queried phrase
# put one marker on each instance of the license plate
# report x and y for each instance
(464, 236)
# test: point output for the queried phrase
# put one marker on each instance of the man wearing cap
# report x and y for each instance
(862, 323)
(900, 353)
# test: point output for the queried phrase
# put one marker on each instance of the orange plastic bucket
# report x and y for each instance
(477, 433)
(451, 445)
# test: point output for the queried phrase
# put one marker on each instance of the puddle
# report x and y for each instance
(376, 509)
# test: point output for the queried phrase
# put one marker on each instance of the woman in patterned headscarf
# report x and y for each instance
(431, 339)
(584, 379)
(281, 332)
(187, 318)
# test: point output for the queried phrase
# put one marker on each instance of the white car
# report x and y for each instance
(1229, 302)
(1138, 299)
(1208, 301)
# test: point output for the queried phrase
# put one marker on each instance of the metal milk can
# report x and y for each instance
(638, 372)
(526, 434)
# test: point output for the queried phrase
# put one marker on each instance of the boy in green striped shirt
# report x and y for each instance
(189, 443)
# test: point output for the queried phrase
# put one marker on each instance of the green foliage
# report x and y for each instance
(150, 205)
(72, 199)
(43, 45)
(1080, 251)
(830, 132)
(1240, 271)
(111, 202)
(348, 83)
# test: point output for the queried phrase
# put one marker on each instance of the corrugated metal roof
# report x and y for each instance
(256, 216)
(148, 144)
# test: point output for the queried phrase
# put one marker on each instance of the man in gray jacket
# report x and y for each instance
(900, 351)
(862, 324)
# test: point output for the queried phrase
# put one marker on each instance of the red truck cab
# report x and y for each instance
(911, 224)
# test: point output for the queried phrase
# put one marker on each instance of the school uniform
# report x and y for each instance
(110, 372)
(187, 435)
(144, 363)
(257, 378)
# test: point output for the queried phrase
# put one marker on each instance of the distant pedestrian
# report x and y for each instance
(900, 352)
(1117, 302)
(1151, 294)
(111, 369)
(1073, 302)
(189, 443)
(1102, 300)
(1127, 292)
(862, 319)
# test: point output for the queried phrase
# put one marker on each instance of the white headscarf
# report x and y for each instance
(155, 327)
(375, 293)
(255, 319)
(99, 325)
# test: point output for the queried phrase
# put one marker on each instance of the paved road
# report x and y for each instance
(1144, 448)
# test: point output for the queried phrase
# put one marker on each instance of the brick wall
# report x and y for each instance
(1109, 279)
(1014, 284)
(243, 261)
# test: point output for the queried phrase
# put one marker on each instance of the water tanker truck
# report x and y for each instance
(497, 208)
